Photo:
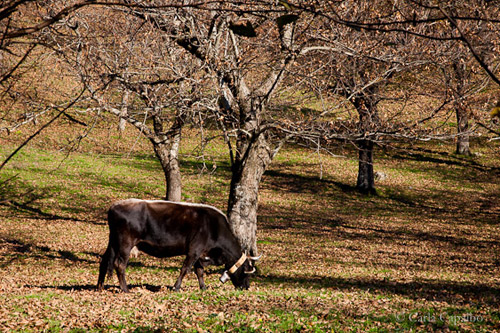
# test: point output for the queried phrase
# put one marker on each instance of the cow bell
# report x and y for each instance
(224, 277)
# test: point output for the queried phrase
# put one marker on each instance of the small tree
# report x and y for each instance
(360, 66)
(463, 73)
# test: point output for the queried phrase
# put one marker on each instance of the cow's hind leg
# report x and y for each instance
(106, 266)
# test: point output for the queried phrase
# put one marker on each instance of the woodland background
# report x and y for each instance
(353, 143)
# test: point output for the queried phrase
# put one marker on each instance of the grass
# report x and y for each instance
(421, 255)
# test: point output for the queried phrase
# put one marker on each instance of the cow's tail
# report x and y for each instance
(106, 267)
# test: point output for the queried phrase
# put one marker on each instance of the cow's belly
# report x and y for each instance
(161, 251)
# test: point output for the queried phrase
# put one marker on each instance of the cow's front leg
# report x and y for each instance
(188, 262)
(198, 269)
(120, 266)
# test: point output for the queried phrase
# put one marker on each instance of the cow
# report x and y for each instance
(167, 229)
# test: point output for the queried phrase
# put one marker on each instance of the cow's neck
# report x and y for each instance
(232, 255)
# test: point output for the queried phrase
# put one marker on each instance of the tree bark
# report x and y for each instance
(365, 183)
(368, 122)
(253, 153)
(459, 80)
(124, 111)
(168, 155)
(244, 192)
(463, 146)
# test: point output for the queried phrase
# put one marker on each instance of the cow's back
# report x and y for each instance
(164, 228)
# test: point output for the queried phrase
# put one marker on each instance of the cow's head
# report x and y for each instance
(240, 272)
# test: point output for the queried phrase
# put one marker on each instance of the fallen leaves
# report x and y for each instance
(332, 259)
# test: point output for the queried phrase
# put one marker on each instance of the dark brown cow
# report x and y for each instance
(167, 229)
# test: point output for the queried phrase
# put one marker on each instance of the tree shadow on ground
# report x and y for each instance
(394, 200)
(451, 292)
(291, 182)
(440, 157)
(446, 166)
(37, 213)
(23, 199)
(394, 235)
(19, 249)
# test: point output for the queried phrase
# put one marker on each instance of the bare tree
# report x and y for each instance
(24, 95)
(247, 50)
(464, 80)
(471, 23)
(368, 52)
(462, 71)
(126, 65)
(367, 70)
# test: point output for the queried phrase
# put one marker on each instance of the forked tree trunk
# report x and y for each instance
(168, 155)
(253, 151)
(244, 193)
(365, 183)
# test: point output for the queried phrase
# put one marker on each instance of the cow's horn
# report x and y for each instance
(250, 272)
(255, 258)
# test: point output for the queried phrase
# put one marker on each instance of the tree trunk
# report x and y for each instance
(365, 181)
(458, 82)
(463, 147)
(124, 111)
(244, 192)
(368, 122)
(167, 153)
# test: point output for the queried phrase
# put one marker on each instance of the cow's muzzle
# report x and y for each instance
(224, 277)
